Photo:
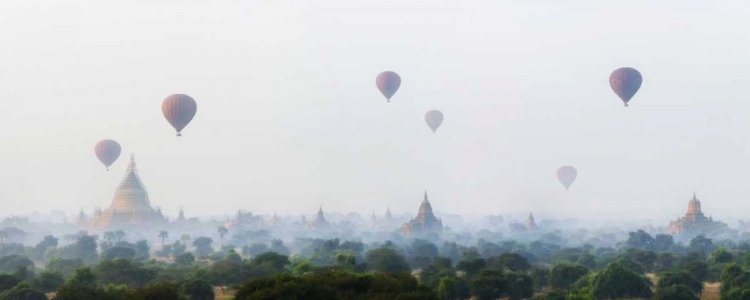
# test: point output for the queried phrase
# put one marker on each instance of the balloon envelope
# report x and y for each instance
(107, 151)
(179, 110)
(388, 83)
(625, 82)
(566, 175)
(433, 118)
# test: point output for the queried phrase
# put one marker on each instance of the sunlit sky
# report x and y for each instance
(289, 117)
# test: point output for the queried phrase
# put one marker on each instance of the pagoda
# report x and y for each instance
(424, 223)
(130, 206)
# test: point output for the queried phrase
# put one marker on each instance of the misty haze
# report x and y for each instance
(355, 149)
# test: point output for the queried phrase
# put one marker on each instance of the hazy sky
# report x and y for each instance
(289, 117)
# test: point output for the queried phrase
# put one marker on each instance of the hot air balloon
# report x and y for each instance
(433, 118)
(566, 175)
(107, 151)
(179, 110)
(388, 83)
(625, 82)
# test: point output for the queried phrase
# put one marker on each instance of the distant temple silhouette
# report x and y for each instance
(424, 223)
(130, 206)
(694, 221)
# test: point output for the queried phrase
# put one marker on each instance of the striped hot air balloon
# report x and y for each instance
(107, 151)
(433, 118)
(388, 83)
(625, 82)
(179, 110)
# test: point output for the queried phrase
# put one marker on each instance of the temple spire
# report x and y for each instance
(425, 197)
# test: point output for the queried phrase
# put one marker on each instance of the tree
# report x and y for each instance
(702, 244)
(8, 281)
(618, 282)
(161, 291)
(564, 274)
(279, 247)
(675, 292)
(386, 260)
(203, 246)
(664, 262)
(721, 256)
(119, 235)
(81, 285)
(452, 287)
(233, 257)
(488, 285)
(663, 242)
(471, 263)
(178, 248)
(142, 250)
(519, 285)
(118, 252)
(198, 290)
(64, 266)
(37, 253)
(422, 252)
(510, 261)
(48, 281)
(23, 292)
(587, 260)
(123, 271)
(185, 259)
(640, 240)
(163, 235)
(255, 249)
(680, 278)
(695, 266)
(222, 232)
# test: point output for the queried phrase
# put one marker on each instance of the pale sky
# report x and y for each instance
(289, 117)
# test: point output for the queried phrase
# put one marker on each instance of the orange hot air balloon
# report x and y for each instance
(179, 110)
(433, 118)
(388, 83)
(107, 151)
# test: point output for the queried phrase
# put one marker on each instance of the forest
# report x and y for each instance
(84, 266)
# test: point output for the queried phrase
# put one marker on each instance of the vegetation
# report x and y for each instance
(113, 267)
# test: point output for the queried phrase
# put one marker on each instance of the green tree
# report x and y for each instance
(163, 235)
(452, 287)
(203, 246)
(488, 285)
(153, 291)
(518, 285)
(680, 278)
(618, 282)
(185, 259)
(23, 292)
(386, 260)
(48, 281)
(123, 271)
(664, 262)
(233, 257)
(222, 232)
(118, 252)
(80, 285)
(702, 244)
(675, 292)
(8, 281)
(64, 266)
(198, 290)
(509, 261)
(564, 274)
